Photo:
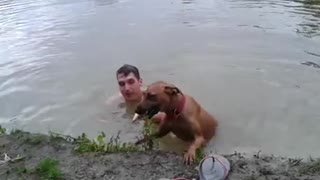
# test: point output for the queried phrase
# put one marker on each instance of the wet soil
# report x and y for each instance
(140, 165)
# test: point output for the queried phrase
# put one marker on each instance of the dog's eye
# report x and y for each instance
(151, 97)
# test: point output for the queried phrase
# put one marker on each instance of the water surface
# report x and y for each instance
(241, 59)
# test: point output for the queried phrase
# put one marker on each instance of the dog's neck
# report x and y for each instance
(177, 106)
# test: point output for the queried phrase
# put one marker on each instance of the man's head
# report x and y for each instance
(129, 82)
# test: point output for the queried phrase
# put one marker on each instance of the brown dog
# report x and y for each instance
(184, 116)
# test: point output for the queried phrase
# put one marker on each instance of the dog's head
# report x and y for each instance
(157, 97)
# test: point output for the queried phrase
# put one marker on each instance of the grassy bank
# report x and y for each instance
(56, 156)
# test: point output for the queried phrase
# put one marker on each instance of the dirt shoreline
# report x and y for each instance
(140, 165)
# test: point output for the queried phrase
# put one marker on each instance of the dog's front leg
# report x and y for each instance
(191, 153)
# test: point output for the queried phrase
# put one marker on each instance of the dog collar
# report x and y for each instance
(180, 107)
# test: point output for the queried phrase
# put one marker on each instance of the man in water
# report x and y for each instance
(130, 84)
(131, 89)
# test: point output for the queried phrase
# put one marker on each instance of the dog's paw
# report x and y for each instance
(189, 157)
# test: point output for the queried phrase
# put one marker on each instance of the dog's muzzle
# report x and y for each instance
(149, 113)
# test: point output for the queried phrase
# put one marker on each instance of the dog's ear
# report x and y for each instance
(171, 90)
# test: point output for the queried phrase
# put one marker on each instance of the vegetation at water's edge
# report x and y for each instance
(55, 163)
(85, 145)
(313, 167)
(2, 130)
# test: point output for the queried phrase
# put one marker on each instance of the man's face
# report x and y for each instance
(130, 87)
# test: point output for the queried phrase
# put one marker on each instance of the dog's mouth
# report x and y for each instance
(149, 113)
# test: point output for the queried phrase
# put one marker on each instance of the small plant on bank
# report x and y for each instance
(17, 133)
(148, 130)
(48, 169)
(2, 130)
(199, 155)
(84, 144)
(312, 167)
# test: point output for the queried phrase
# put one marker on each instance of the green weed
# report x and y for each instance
(48, 169)
(17, 133)
(148, 130)
(199, 155)
(312, 167)
(84, 144)
(2, 130)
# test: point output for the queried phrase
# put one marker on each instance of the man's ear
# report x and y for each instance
(171, 90)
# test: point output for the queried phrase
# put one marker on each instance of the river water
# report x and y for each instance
(241, 59)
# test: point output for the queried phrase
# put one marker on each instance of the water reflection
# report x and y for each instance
(312, 53)
(105, 2)
(304, 15)
(310, 27)
(187, 1)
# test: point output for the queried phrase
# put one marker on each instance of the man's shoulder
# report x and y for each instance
(118, 98)
(115, 99)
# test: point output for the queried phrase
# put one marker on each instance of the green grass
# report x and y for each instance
(84, 144)
(149, 128)
(199, 155)
(17, 133)
(312, 167)
(48, 169)
(2, 130)
(99, 144)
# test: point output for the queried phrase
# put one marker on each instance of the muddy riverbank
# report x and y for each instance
(45, 156)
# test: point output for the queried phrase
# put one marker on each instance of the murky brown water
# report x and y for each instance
(240, 58)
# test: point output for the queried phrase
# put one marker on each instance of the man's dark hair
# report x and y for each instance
(126, 69)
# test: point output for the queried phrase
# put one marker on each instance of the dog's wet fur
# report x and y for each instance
(193, 124)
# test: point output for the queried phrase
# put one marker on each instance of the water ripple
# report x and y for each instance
(58, 59)
(304, 14)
